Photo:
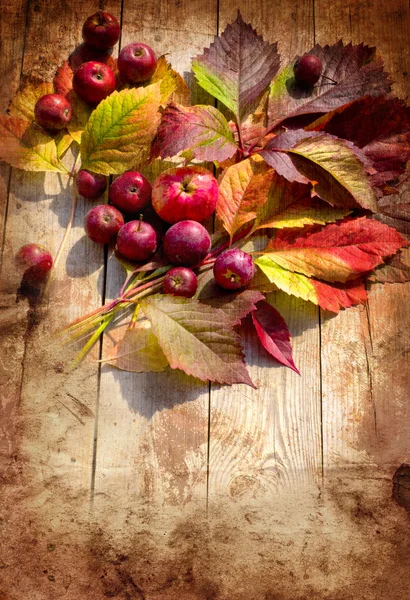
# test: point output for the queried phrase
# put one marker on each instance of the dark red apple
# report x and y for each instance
(93, 81)
(35, 261)
(185, 193)
(181, 281)
(234, 269)
(131, 192)
(186, 243)
(137, 240)
(90, 185)
(137, 62)
(102, 223)
(101, 31)
(308, 69)
(53, 112)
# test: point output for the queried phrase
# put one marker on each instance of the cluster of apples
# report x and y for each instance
(138, 214)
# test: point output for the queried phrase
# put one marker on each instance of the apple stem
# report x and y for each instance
(330, 79)
(140, 221)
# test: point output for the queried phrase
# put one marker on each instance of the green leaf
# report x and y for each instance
(80, 116)
(120, 130)
(197, 338)
(26, 146)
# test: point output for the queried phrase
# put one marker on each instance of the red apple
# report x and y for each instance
(185, 193)
(186, 243)
(137, 62)
(137, 240)
(90, 185)
(35, 261)
(101, 31)
(233, 269)
(102, 223)
(84, 53)
(52, 111)
(131, 192)
(180, 281)
(93, 81)
(308, 69)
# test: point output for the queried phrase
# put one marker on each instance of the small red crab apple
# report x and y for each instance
(181, 281)
(234, 269)
(53, 112)
(102, 223)
(101, 31)
(93, 81)
(131, 192)
(137, 62)
(90, 185)
(308, 69)
(185, 193)
(186, 243)
(137, 240)
(35, 261)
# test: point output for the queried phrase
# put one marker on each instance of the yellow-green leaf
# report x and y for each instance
(172, 85)
(27, 146)
(138, 351)
(80, 116)
(23, 104)
(120, 130)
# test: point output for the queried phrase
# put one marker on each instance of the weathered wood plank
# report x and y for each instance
(267, 440)
(153, 428)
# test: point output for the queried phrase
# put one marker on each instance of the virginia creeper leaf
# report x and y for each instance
(329, 297)
(236, 306)
(201, 129)
(274, 334)
(27, 146)
(172, 85)
(395, 270)
(23, 104)
(237, 67)
(336, 252)
(197, 339)
(336, 165)
(356, 69)
(120, 130)
(138, 351)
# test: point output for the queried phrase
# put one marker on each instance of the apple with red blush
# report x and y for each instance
(186, 243)
(90, 185)
(93, 81)
(131, 192)
(234, 269)
(102, 223)
(180, 281)
(137, 240)
(35, 261)
(53, 112)
(137, 62)
(101, 31)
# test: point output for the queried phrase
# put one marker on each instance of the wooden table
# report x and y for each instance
(159, 487)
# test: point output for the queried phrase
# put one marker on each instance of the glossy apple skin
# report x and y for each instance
(137, 62)
(180, 281)
(131, 192)
(35, 261)
(101, 31)
(308, 69)
(90, 185)
(234, 269)
(102, 223)
(185, 193)
(137, 240)
(186, 243)
(93, 81)
(53, 112)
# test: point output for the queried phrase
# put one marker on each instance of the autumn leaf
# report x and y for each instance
(336, 252)
(273, 334)
(395, 270)
(23, 104)
(237, 67)
(63, 79)
(80, 116)
(356, 69)
(172, 85)
(120, 130)
(329, 297)
(236, 305)
(337, 167)
(63, 141)
(197, 339)
(27, 146)
(138, 351)
(201, 129)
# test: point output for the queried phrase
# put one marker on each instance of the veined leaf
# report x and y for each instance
(395, 270)
(356, 69)
(138, 351)
(27, 146)
(120, 130)
(336, 252)
(80, 116)
(201, 129)
(197, 339)
(172, 85)
(237, 67)
(300, 214)
(63, 79)
(335, 166)
(329, 297)
(236, 306)
(23, 104)
(273, 334)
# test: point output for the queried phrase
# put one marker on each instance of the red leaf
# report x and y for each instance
(273, 334)
(336, 296)
(63, 79)
(237, 305)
